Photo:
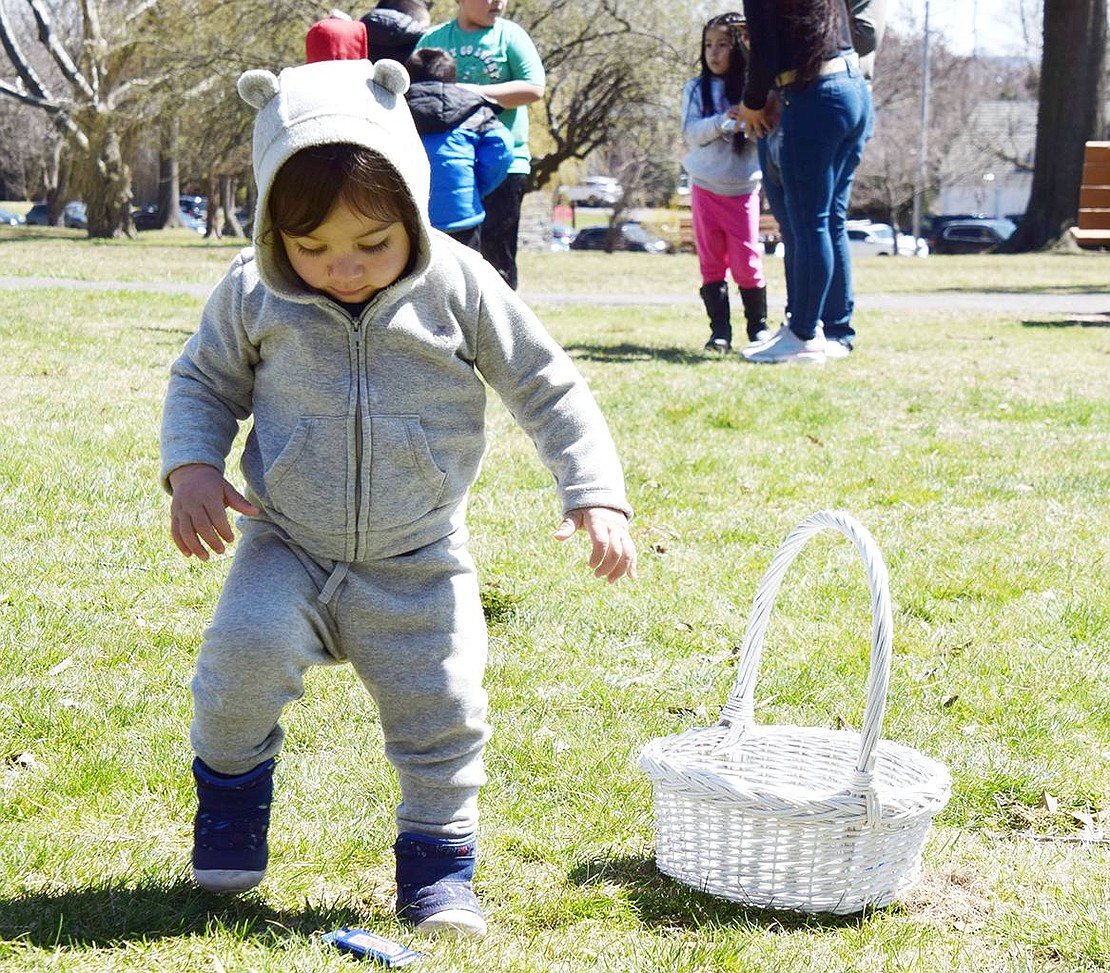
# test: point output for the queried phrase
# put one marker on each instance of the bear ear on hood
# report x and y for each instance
(392, 76)
(257, 87)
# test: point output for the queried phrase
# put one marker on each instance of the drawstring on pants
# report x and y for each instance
(335, 579)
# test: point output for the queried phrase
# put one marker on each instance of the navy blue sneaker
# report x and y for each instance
(229, 831)
(434, 885)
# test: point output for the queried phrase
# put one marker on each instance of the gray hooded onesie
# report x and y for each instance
(366, 436)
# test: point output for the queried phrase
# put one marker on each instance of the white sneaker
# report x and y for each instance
(457, 923)
(837, 349)
(763, 337)
(786, 346)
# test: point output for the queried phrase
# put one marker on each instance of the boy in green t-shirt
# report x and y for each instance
(497, 56)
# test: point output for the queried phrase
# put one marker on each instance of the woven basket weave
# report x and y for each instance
(797, 818)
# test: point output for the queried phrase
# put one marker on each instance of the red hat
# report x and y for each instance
(335, 40)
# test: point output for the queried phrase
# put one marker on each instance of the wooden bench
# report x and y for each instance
(769, 233)
(1093, 224)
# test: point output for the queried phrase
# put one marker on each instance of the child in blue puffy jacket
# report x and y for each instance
(469, 149)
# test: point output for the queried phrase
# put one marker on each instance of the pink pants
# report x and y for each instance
(726, 231)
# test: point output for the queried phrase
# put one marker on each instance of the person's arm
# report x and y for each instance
(762, 57)
(698, 130)
(509, 94)
(527, 80)
(868, 25)
(210, 391)
(549, 399)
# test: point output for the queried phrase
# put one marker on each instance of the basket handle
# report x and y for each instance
(739, 709)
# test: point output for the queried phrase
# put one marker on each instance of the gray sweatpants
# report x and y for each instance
(412, 627)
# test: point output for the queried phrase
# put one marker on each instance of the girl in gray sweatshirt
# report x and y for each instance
(723, 165)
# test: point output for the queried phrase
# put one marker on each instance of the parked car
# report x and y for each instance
(562, 236)
(909, 245)
(867, 239)
(681, 197)
(937, 223)
(38, 215)
(595, 191)
(147, 218)
(630, 236)
(9, 218)
(196, 206)
(973, 236)
(73, 215)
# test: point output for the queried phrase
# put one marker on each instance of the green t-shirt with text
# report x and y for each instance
(503, 52)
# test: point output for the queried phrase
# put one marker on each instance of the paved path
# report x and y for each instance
(1008, 302)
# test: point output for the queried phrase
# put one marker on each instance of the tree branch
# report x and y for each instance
(19, 60)
(57, 52)
(58, 115)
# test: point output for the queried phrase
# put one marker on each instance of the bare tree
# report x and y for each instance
(1070, 113)
(28, 141)
(888, 174)
(608, 62)
(123, 70)
(93, 104)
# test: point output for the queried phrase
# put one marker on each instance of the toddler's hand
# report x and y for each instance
(197, 511)
(613, 554)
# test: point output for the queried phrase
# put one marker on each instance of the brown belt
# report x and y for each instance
(833, 66)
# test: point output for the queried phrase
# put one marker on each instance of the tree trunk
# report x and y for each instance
(232, 226)
(57, 193)
(169, 176)
(1070, 114)
(108, 199)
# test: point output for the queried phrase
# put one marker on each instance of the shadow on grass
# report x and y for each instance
(638, 353)
(661, 901)
(1086, 321)
(1033, 289)
(37, 234)
(105, 915)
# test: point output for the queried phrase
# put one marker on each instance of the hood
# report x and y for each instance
(356, 102)
(334, 39)
(391, 34)
(437, 106)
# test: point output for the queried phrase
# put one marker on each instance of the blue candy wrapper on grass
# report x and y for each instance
(369, 945)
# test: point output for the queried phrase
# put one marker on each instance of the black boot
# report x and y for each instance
(755, 310)
(715, 297)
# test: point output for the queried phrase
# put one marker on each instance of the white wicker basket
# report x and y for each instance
(786, 817)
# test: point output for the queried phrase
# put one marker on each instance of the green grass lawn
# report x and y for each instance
(974, 446)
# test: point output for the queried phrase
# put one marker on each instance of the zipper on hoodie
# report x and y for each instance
(360, 398)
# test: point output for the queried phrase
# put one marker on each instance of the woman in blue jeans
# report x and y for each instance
(804, 76)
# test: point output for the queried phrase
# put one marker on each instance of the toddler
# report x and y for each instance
(359, 342)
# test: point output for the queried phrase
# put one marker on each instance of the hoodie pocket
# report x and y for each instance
(405, 482)
(309, 482)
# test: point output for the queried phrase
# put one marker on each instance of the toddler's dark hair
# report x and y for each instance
(413, 8)
(433, 64)
(311, 182)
